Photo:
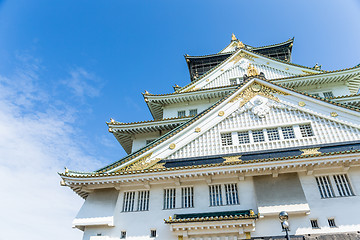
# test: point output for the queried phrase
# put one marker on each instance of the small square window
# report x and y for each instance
(243, 137)
(331, 222)
(258, 136)
(152, 233)
(193, 112)
(123, 235)
(273, 134)
(328, 94)
(181, 113)
(226, 139)
(306, 130)
(314, 223)
(288, 132)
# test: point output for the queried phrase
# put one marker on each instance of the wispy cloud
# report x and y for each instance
(36, 140)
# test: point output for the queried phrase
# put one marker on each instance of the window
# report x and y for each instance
(288, 132)
(169, 198)
(181, 113)
(233, 81)
(314, 223)
(152, 233)
(306, 130)
(143, 200)
(328, 94)
(331, 222)
(342, 183)
(129, 199)
(215, 195)
(226, 139)
(187, 197)
(273, 134)
(231, 193)
(98, 234)
(258, 136)
(325, 188)
(123, 235)
(243, 137)
(193, 112)
(315, 94)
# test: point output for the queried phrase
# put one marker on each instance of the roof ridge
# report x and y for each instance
(146, 121)
(195, 90)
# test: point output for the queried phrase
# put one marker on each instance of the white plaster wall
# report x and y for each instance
(338, 89)
(171, 111)
(139, 140)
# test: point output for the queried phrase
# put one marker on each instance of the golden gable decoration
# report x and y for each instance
(141, 164)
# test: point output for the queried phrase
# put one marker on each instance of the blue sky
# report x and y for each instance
(66, 67)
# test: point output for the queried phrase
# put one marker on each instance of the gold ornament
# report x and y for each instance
(233, 37)
(197, 130)
(309, 151)
(232, 159)
(172, 146)
(221, 113)
(302, 104)
(256, 87)
(252, 71)
(334, 114)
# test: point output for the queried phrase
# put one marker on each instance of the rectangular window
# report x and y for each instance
(187, 197)
(314, 223)
(143, 200)
(181, 113)
(243, 137)
(226, 139)
(123, 235)
(325, 188)
(258, 136)
(152, 233)
(328, 94)
(129, 200)
(231, 193)
(169, 198)
(233, 81)
(343, 185)
(215, 195)
(193, 112)
(273, 134)
(306, 130)
(331, 222)
(288, 132)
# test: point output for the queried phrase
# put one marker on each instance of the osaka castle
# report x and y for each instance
(252, 135)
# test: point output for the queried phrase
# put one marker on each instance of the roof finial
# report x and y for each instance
(233, 37)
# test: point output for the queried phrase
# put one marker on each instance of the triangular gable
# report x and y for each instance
(253, 90)
(237, 64)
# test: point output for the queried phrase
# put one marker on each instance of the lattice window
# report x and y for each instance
(231, 193)
(306, 130)
(288, 132)
(328, 94)
(314, 223)
(193, 112)
(153, 233)
(243, 137)
(331, 222)
(181, 113)
(226, 139)
(143, 200)
(343, 185)
(233, 81)
(129, 201)
(169, 198)
(258, 135)
(325, 188)
(273, 134)
(215, 195)
(187, 197)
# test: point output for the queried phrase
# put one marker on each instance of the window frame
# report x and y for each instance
(338, 189)
(169, 198)
(181, 113)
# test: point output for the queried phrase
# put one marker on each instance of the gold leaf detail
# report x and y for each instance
(232, 159)
(302, 104)
(221, 113)
(197, 130)
(252, 71)
(240, 56)
(334, 114)
(249, 93)
(157, 165)
(309, 151)
(172, 146)
(140, 164)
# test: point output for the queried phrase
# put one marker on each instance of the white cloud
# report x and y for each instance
(36, 141)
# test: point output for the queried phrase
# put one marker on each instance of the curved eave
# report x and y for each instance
(349, 100)
(352, 76)
(156, 102)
